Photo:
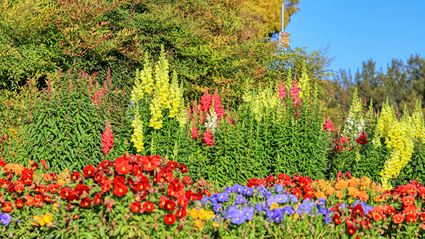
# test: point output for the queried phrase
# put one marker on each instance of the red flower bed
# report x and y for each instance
(149, 183)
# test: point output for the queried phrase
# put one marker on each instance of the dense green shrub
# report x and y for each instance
(63, 123)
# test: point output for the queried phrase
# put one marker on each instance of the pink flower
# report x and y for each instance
(282, 91)
(295, 95)
(195, 133)
(328, 126)
(107, 138)
(218, 108)
(206, 101)
(208, 138)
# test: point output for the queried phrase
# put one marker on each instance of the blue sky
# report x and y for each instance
(354, 31)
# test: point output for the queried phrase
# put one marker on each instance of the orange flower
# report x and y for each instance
(330, 191)
(339, 195)
(341, 184)
(363, 196)
(320, 194)
(353, 182)
(353, 192)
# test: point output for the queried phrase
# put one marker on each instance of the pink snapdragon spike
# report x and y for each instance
(107, 138)
(282, 91)
(195, 132)
(328, 126)
(295, 95)
(208, 138)
(206, 101)
(218, 107)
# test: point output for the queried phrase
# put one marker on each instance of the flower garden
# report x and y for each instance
(84, 157)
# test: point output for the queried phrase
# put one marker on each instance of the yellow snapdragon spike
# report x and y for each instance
(137, 138)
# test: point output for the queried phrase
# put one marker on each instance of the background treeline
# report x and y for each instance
(219, 44)
(402, 83)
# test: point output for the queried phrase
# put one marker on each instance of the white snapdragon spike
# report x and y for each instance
(212, 120)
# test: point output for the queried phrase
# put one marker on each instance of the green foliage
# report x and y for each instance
(62, 124)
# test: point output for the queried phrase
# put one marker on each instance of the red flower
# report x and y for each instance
(142, 184)
(2, 163)
(137, 170)
(362, 139)
(351, 230)
(170, 205)
(181, 212)
(208, 138)
(97, 199)
(45, 166)
(120, 189)
(169, 219)
(76, 176)
(53, 188)
(377, 213)
(85, 202)
(422, 216)
(295, 95)
(398, 218)
(187, 180)
(182, 201)
(411, 218)
(7, 207)
(162, 201)
(26, 176)
(122, 165)
(89, 171)
(148, 206)
(18, 186)
(358, 209)
(135, 207)
(19, 203)
(218, 107)
(297, 192)
(183, 168)
(206, 101)
(410, 210)
(107, 138)
(68, 194)
(282, 91)
(337, 219)
(150, 163)
(408, 200)
(328, 126)
(389, 210)
(81, 189)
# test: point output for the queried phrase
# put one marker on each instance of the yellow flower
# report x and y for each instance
(137, 138)
(194, 213)
(198, 224)
(45, 219)
(274, 206)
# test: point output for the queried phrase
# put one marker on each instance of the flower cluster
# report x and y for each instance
(107, 138)
(207, 114)
(149, 184)
(239, 204)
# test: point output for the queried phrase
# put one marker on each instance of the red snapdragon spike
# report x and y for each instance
(135, 207)
(45, 165)
(169, 219)
(282, 91)
(89, 171)
(7, 207)
(206, 101)
(195, 132)
(362, 139)
(398, 218)
(107, 138)
(328, 126)
(148, 206)
(85, 202)
(208, 138)
(218, 107)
